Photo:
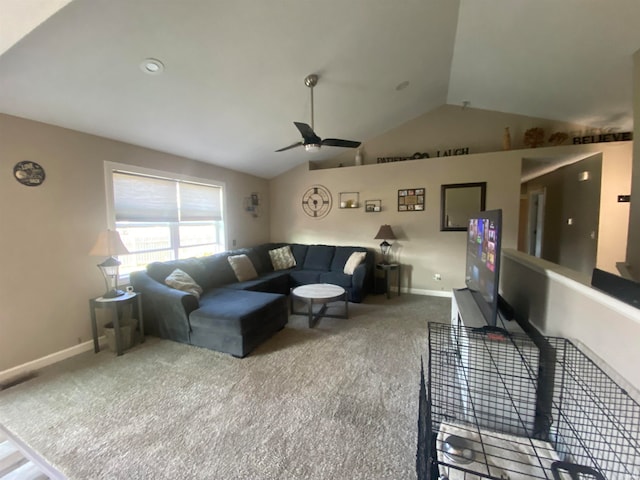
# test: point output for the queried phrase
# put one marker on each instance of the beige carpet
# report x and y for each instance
(335, 402)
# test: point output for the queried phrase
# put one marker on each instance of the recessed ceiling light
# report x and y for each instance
(402, 86)
(151, 66)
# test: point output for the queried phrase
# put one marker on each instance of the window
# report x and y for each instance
(162, 219)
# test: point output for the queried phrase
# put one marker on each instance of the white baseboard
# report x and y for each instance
(39, 363)
(430, 293)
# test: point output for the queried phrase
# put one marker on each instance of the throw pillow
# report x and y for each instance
(282, 258)
(242, 267)
(354, 260)
(181, 280)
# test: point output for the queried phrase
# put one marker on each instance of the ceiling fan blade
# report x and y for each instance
(307, 133)
(336, 142)
(293, 145)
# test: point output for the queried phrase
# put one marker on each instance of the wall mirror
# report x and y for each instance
(458, 201)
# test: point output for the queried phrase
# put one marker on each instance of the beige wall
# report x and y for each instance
(633, 252)
(421, 247)
(47, 231)
(614, 216)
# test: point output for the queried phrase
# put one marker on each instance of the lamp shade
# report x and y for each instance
(108, 244)
(385, 233)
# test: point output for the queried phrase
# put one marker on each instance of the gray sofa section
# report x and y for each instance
(235, 317)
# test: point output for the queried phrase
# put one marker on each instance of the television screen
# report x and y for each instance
(483, 261)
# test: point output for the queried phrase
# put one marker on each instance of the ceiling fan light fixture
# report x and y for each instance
(312, 147)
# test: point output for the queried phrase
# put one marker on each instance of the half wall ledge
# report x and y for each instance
(558, 301)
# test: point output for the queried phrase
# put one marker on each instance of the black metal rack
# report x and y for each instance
(498, 406)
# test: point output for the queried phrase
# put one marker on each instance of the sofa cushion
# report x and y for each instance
(355, 259)
(219, 271)
(319, 257)
(299, 253)
(259, 256)
(236, 311)
(336, 278)
(242, 267)
(274, 282)
(304, 277)
(282, 258)
(182, 281)
(194, 267)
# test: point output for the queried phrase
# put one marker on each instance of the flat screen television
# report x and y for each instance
(483, 261)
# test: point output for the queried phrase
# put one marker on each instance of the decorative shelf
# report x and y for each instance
(372, 206)
(349, 199)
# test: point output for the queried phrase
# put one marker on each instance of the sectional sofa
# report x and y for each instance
(222, 310)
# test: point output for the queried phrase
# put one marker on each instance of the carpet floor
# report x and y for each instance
(339, 401)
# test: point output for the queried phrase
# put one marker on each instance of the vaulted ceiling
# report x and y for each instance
(233, 79)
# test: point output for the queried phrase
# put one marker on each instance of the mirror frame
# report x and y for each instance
(443, 203)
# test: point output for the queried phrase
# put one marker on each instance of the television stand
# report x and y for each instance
(465, 310)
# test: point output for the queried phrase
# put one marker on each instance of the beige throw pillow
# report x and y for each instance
(355, 259)
(242, 267)
(181, 280)
(282, 258)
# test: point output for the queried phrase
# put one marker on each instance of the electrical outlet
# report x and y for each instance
(233, 242)
(437, 276)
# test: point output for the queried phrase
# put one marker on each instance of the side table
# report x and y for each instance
(386, 268)
(116, 304)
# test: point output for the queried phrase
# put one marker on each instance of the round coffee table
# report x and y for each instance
(319, 294)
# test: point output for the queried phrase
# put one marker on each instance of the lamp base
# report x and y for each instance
(113, 293)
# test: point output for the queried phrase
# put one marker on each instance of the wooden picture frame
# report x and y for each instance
(411, 199)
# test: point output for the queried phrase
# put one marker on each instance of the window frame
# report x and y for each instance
(111, 167)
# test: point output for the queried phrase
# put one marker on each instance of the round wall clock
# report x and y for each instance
(29, 173)
(316, 201)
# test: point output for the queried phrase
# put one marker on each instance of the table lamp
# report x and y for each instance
(109, 244)
(385, 233)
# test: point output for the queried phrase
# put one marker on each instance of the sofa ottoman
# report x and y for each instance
(236, 321)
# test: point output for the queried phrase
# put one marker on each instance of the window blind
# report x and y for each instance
(199, 202)
(139, 198)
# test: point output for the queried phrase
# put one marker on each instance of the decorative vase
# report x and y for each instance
(506, 139)
(358, 157)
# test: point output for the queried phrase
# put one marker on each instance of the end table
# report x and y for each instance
(115, 304)
(386, 268)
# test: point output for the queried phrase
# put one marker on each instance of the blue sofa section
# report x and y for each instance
(235, 317)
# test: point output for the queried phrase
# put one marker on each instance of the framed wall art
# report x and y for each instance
(411, 199)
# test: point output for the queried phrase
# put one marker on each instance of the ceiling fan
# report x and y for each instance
(312, 142)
